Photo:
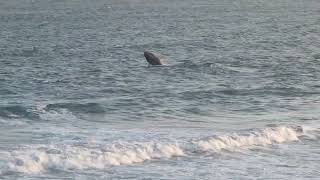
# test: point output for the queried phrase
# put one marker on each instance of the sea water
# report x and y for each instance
(238, 99)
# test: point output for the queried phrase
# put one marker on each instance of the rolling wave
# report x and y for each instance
(29, 112)
(65, 156)
(72, 157)
(16, 111)
(263, 137)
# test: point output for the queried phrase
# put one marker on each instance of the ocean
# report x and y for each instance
(239, 97)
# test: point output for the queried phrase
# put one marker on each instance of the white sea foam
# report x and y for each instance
(260, 138)
(62, 156)
(10, 122)
(60, 115)
(312, 130)
(68, 157)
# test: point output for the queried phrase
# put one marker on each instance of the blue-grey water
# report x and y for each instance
(239, 98)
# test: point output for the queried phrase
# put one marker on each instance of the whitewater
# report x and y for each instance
(96, 155)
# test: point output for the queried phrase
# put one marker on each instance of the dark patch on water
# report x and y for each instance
(77, 108)
(17, 112)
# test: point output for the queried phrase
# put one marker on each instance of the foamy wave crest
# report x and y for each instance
(99, 156)
(68, 157)
(54, 115)
(260, 138)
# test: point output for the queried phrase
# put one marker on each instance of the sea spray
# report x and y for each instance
(72, 157)
(259, 138)
(41, 158)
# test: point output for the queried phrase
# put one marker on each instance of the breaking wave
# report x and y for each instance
(263, 137)
(69, 157)
(83, 156)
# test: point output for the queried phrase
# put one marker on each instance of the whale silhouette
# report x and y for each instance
(152, 58)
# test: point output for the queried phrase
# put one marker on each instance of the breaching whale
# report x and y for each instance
(152, 58)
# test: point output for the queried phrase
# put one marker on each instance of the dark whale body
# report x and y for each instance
(152, 58)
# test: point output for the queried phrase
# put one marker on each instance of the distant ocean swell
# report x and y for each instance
(19, 115)
(42, 158)
(17, 111)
